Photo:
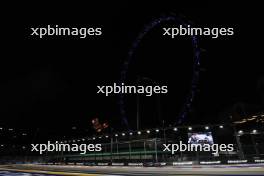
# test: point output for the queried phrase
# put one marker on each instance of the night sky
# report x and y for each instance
(52, 82)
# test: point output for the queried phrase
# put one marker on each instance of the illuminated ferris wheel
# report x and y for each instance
(188, 100)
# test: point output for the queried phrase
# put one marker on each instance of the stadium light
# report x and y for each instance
(116, 135)
(157, 130)
(94, 138)
(1, 128)
(148, 131)
(123, 134)
(207, 127)
(175, 129)
(24, 134)
(100, 137)
(130, 133)
(254, 131)
(106, 136)
(190, 128)
(139, 132)
(240, 131)
(83, 139)
(221, 126)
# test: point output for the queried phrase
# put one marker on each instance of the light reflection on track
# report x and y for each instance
(66, 170)
(7, 173)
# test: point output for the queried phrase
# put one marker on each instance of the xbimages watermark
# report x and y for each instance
(214, 148)
(129, 89)
(56, 30)
(60, 147)
(197, 31)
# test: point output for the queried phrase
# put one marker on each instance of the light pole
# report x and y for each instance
(138, 114)
(158, 101)
(239, 145)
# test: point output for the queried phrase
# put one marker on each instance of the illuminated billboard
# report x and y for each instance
(200, 138)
